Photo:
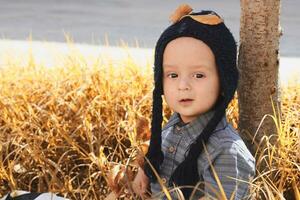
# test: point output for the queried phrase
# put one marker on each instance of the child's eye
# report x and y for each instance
(199, 75)
(172, 75)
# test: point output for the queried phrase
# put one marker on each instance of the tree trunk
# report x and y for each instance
(258, 65)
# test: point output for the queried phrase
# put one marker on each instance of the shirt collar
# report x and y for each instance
(195, 127)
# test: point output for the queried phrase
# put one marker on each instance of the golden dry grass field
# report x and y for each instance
(70, 128)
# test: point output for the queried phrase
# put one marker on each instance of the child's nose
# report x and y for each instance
(184, 83)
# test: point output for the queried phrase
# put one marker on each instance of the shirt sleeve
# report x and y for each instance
(234, 166)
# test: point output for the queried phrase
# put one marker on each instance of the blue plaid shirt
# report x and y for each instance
(228, 154)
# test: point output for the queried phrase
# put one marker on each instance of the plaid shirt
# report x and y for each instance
(227, 152)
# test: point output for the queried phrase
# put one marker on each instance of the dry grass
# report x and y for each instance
(280, 175)
(64, 128)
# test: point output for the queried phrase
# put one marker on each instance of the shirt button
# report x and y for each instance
(163, 180)
(171, 149)
(178, 128)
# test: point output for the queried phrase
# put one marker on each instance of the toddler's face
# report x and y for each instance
(190, 77)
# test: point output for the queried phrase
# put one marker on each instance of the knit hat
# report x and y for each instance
(208, 27)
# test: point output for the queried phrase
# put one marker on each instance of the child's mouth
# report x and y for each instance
(186, 100)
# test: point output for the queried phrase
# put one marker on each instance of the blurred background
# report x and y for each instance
(91, 21)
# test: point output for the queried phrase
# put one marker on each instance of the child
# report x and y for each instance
(195, 69)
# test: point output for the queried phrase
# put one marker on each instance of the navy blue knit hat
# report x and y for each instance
(208, 27)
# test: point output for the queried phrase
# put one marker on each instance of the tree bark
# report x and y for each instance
(258, 65)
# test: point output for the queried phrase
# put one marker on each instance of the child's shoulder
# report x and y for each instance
(225, 136)
(228, 138)
(227, 142)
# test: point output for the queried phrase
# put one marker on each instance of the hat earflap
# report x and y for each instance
(154, 154)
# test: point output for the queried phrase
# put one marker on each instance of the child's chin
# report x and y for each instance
(187, 113)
